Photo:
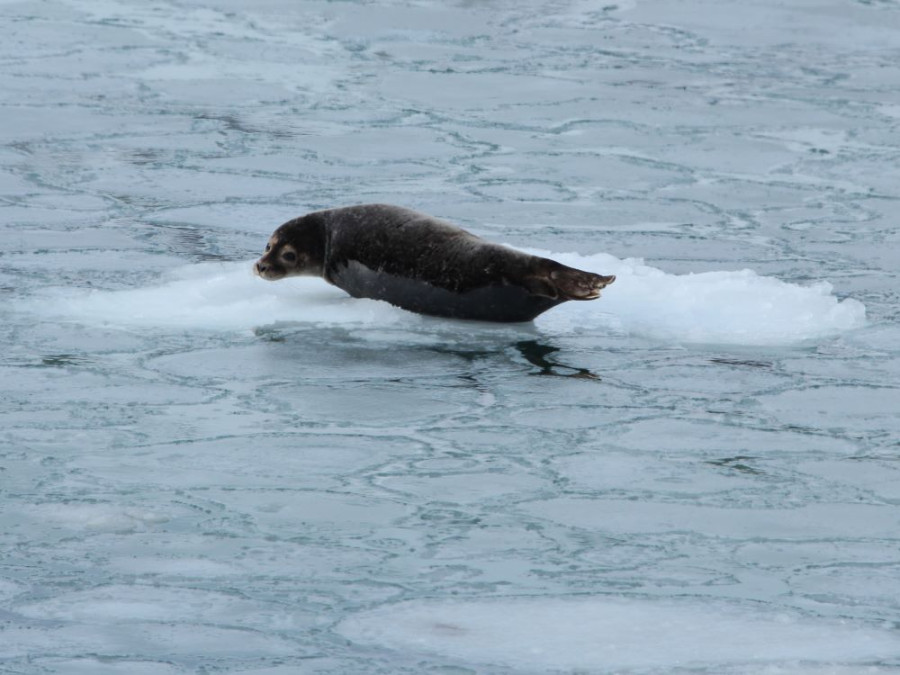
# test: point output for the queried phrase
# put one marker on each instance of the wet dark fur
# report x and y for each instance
(422, 264)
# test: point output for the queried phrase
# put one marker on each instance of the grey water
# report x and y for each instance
(201, 472)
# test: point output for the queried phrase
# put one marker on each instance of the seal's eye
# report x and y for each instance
(268, 247)
(290, 256)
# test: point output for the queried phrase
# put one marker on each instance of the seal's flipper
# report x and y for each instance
(573, 284)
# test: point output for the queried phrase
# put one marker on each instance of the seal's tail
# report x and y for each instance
(558, 282)
(573, 284)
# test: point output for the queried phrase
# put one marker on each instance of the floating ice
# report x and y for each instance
(609, 634)
(716, 307)
(221, 296)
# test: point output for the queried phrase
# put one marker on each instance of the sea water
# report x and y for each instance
(205, 472)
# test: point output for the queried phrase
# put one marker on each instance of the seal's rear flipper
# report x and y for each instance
(573, 284)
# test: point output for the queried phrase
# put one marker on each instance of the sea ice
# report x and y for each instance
(728, 307)
(610, 633)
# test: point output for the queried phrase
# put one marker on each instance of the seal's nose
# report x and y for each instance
(260, 267)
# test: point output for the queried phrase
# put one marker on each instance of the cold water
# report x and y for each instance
(205, 472)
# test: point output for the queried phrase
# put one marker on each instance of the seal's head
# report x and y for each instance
(294, 249)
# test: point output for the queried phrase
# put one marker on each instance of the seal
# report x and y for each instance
(422, 264)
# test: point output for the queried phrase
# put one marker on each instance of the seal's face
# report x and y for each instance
(281, 259)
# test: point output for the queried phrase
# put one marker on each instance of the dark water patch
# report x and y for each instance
(740, 464)
(750, 363)
(536, 354)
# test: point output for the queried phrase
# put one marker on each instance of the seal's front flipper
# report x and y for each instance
(573, 284)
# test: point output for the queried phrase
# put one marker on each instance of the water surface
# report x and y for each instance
(202, 472)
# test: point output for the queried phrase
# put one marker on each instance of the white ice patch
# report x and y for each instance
(716, 307)
(93, 517)
(221, 296)
(607, 634)
(713, 307)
